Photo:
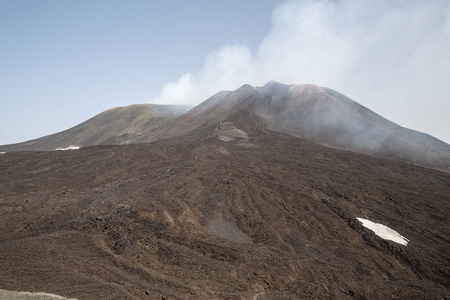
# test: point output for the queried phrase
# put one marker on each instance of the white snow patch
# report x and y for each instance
(2, 152)
(384, 232)
(68, 148)
(13, 295)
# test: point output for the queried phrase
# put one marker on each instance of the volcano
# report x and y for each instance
(307, 111)
(270, 192)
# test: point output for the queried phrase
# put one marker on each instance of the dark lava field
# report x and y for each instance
(268, 216)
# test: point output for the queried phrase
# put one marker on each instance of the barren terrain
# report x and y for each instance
(237, 198)
(266, 216)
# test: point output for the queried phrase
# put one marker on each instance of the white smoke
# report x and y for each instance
(391, 56)
(223, 69)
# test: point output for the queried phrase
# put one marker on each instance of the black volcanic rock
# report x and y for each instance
(211, 219)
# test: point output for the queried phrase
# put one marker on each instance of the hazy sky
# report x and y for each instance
(64, 61)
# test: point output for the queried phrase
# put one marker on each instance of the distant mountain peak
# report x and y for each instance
(273, 83)
(274, 88)
(245, 87)
(307, 111)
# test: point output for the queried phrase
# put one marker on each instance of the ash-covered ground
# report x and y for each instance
(270, 216)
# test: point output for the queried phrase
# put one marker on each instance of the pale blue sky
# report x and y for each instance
(64, 61)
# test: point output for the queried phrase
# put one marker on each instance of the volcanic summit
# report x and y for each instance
(306, 111)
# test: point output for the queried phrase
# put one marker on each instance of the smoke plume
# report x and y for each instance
(391, 56)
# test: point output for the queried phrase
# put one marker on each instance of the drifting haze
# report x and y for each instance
(391, 56)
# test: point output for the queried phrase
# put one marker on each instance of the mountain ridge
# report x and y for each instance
(306, 111)
(120, 123)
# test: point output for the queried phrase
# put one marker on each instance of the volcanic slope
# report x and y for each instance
(317, 114)
(307, 111)
(118, 125)
(332, 119)
(258, 215)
